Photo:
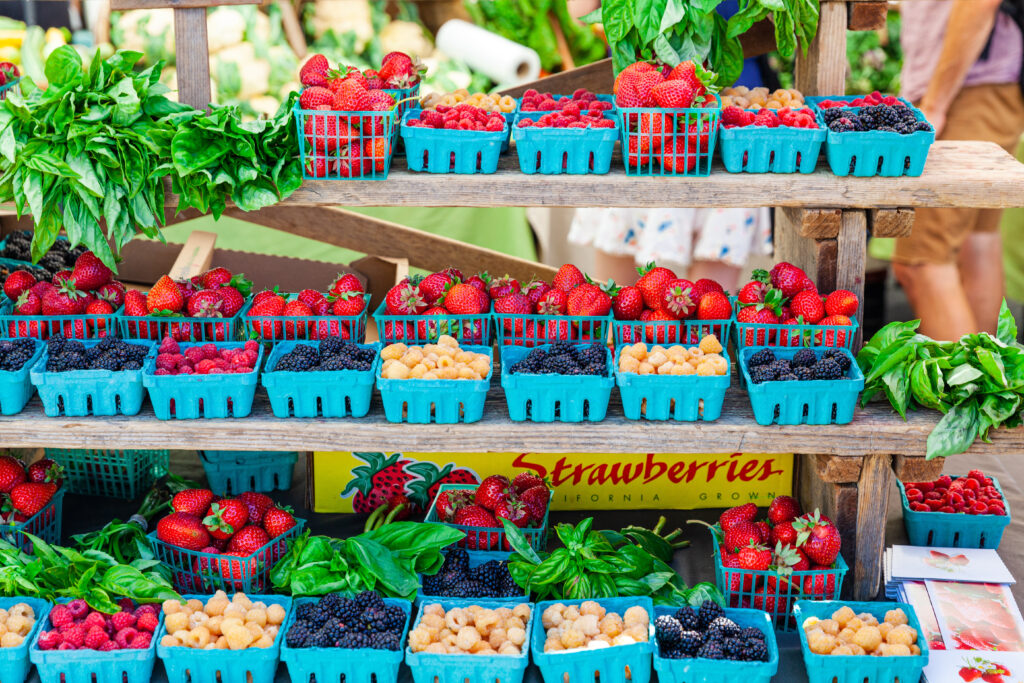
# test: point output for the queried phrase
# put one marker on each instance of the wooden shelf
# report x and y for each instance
(966, 174)
(875, 430)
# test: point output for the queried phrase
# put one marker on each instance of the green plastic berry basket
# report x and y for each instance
(616, 664)
(443, 150)
(335, 145)
(318, 393)
(684, 398)
(702, 670)
(251, 665)
(443, 401)
(111, 474)
(231, 472)
(14, 661)
(860, 668)
(424, 329)
(278, 328)
(428, 667)
(80, 326)
(766, 334)
(193, 571)
(686, 332)
(488, 538)
(16, 386)
(554, 397)
(954, 529)
(766, 591)
(476, 558)
(353, 665)
(518, 329)
(649, 138)
(401, 94)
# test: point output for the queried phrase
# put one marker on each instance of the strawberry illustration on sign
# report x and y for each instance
(423, 491)
(947, 563)
(979, 667)
(381, 481)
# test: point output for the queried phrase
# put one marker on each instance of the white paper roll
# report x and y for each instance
(497, 57)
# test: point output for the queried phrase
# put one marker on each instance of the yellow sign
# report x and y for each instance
(359, 482)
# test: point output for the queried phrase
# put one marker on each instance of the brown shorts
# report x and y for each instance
(993, 113)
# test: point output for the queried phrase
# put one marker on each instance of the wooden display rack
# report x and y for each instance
(822, 224)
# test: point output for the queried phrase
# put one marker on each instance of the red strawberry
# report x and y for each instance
(30, 497)
(257, 504)
(492, 491)
(465, 299)
(588, 299)
(515, 511)
(194, 502)
(553, 303)
(652, 282)
(351, 96)
(449, 502)
(346, 283)
(673, 94)
(165, 295)
(628, 304)
(744, 513)
(404, 299)
(820, 587)
(818, 537)
(807, 304)
(969, 673)
(789, 278)
(378, 481)
(277, 521)
(18, 282)
(536, 498)
(783, 509)
(714, 306)
(480, 281)
(28, 304)
(433, 286)
(64, 299)
(235, 572)
(755, 557)
(502, 286)
(89, 273)
(135, 303)
(740, 535)
(183, 530)
(839, 302)
(12, 473)
(313, 98)
(398, 70)
(248, 540)
(231, 300)
(764, 530)
(513, 303)
(205, 303)
(526, 480)
(478, 516)
(832, 337)
(225, 517)
(679, 154)
(677, 299)
(664, 333)
(704, 286)
(753, 292)
(759, 315)
(567, 278)
(46, 470)
(535, 290)
(216, 277)
(349, 303)
(113, 292)
(314, 71)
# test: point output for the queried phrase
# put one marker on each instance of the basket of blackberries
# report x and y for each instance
(790, 386)
(560, 381)
(328, 378)
(471, 574)
(17, 356)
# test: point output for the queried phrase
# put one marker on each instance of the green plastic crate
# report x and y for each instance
(113, 474)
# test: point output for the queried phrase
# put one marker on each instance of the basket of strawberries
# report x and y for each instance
(34, 497)
(420, 310)
(309, 314)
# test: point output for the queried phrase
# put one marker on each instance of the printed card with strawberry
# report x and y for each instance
(982, 667)
(913, 563)
(977, 616)
(915, 593)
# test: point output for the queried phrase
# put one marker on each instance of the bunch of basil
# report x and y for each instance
(796, 21)
(976, 382)
(602, 564)
(388, 560)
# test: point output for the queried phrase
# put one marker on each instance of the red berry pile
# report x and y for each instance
(523, 501)
(582, 99)
(344, 297)
(571, 116)
(446, 292)
(734, 117)
(871, 100)
(970, 495)
(459, 117)
(76, 627)
(206, 359)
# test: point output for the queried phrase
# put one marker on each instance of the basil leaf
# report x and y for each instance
(955, 432)
(63, 66)
(1006, 330)
(962, 375)
(648, 18)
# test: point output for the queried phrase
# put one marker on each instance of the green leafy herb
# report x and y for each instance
(976, 382)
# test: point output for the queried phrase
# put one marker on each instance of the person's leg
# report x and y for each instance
(724, 274)
(620, 268)
(980, 263)
(938, 299)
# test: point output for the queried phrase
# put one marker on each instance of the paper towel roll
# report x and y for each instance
(497, 57)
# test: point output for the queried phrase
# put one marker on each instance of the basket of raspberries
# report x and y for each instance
(328, 378)
(560, 381)
(471, 574)
(567, 134)
(459, 139)
(712, 643)
(17, 356)
(955, 512)
(477, 510)
(786, 140)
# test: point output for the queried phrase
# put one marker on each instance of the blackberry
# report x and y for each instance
(751, 632)
(369, 600)
(560, 364)
(734, 648)
(839, 357)
(346, 611)
(668, 630)
(298, 634)
(780, 367)
(842, 125)
(884, 116)
(321, 639)
(687, 618)
(786, 377)
(831, 114)
(671, 653)
(710, 650)
(690, 642)
(319, 616)
(923, 125)
(385, 641)
(762, 373)
(803, 357)
(708, 612)
(722, 628)
(762, 357)
(827, 368)
(595, 369)
(304, 612)
(456, 559)
(885, 129)
(804, 374)
(353, 640)
(904, 128)
(757, 650)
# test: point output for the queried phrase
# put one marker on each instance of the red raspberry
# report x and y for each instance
(525, 123)
(766, 120)
(495, 125)
(933, 504)
(996, 509)
(946, 508)
(563, 122)
(992, 492)
(914, 495)
(920, 507)
(75, 636)
(49, 640)
(577, 124)
(66, 646)
(970, 495)
(933, 495)
(979, 508)
(122, 620)
(124, 637)
(252, 345)
(944, 481)
(204, 366)
(925, 486)
(570, 109)
(971, 484)
(147, 622)
(547, 105)
(956, 499)
(109, 646)
(604, 123)
(60, 616)
(732, 116)
(78, 608)
(141, 641)
(96, 637)
(94, 618)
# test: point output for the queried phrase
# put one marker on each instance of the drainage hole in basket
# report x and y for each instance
(853, 164)
(906, 164)
(881, 160)
(117, 403)
(565, 160)
(60, 403)
(529, 408)
(799, 156)
(835, 411)
(291, 406)
(586, 408)
(348, 405)
(807, 410)
(777, 412)
(479, 161)
(956, 540)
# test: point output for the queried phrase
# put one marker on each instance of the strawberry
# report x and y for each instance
(493, 490)
(745, 513)
(478, 516)
(787, 277)
(714, 306)
(567, 278)
(278, 521)
(346, 283)
(30, 497)
(535, 291)
(628, 304)
(225, 517)
(214, 278)
(652, 135)
(234, 570)
(375, 153)
(588, 299)
(64, 299)
(818, 538)
(351, 96)
(165, 295)
(17, 283)
(349, 303)
(404, 299)
(677, 298)
(661, 333)
(753, 292)
(398, 70)
(741, 534)
(526, 480)
(839, 302)
(231, 300)
(755, 557)
(192, 501)
(60, 277)
(376, 483)
(379, 100)
(433, 286)
(536, 500)
(451, 501)
(679, 154)
(969, 673)
(89, 273)
(513, 303)
(783, 509)
(820, 587)
(313, 98)
(502, 286)
(28, 304)
(12, 473)
(465, 299)
(832, 337)
(515, 511)
(45, 470)
(807, 304)
(635, 89)
(135, 303)
(673, 94)
(205, 303)
(652, 282)
(772, 597)
(314, 71)
(687, 72)
(248, 540)
(624, 74)
(114, 292)
(756, 314)
(553, 303)
(705, 286)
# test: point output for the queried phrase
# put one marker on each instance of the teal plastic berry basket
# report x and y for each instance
(180, 328)
(442, 150)
(231, 472)
(574, 151)
(468, 668)
(750, 588)
(517, 329)
(111, 474)
(684, 398)
(767, 334)
(187, 397)
(860, 668)
(80, 326)
(444, 401)
(45, 524)
(701, 670)
(813, 402)
(77, 393)
(954, 529)
(424, 329)
(488, 538)
(279, 328)
(318, 393)
(476, 558)
(358, 665)
(193, 571)
(551, 397)
(252, 665)
(616, 664)
(93, 666)
(759, 149)
(4, 90)
(16, 386)
(14, 661)
(686, 332)
(669, 142)
(401, 94)
(345, 145)
(872, 153)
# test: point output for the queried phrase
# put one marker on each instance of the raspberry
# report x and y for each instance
(147, 622)
(75, 636)
(992, 492)
(494, 125)
(946, 508)
(61, 616)
(109, 646)
(933, 495)
(252, 345)
(96, 637)
(956, 500)
(124, 637)
(914, 495)
(49, 640)
(525, 123)
(122, 620)
(78, 608)
(979, 508)
(925, 486)
(920, 507)
(732, 116)
(766, 120)
(933, 504)
(944, 481)
(995, 509)
(66, 646)
(141, 641)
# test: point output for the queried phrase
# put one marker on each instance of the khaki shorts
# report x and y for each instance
(993, 113)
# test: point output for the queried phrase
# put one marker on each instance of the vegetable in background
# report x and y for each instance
(976, 382)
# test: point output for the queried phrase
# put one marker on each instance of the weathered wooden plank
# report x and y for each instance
(192, 56)
(814, 223)
(836, 470)
(866, 16)
(383, 238)
(822, 71)
(970, 174)
(853, 252)
(818, 258)
(890, 222)
(909, 468)
(872, 506)
(836, 501)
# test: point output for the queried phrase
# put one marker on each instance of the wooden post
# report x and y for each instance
(192, 56)
(823, 70)
(872, 507)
